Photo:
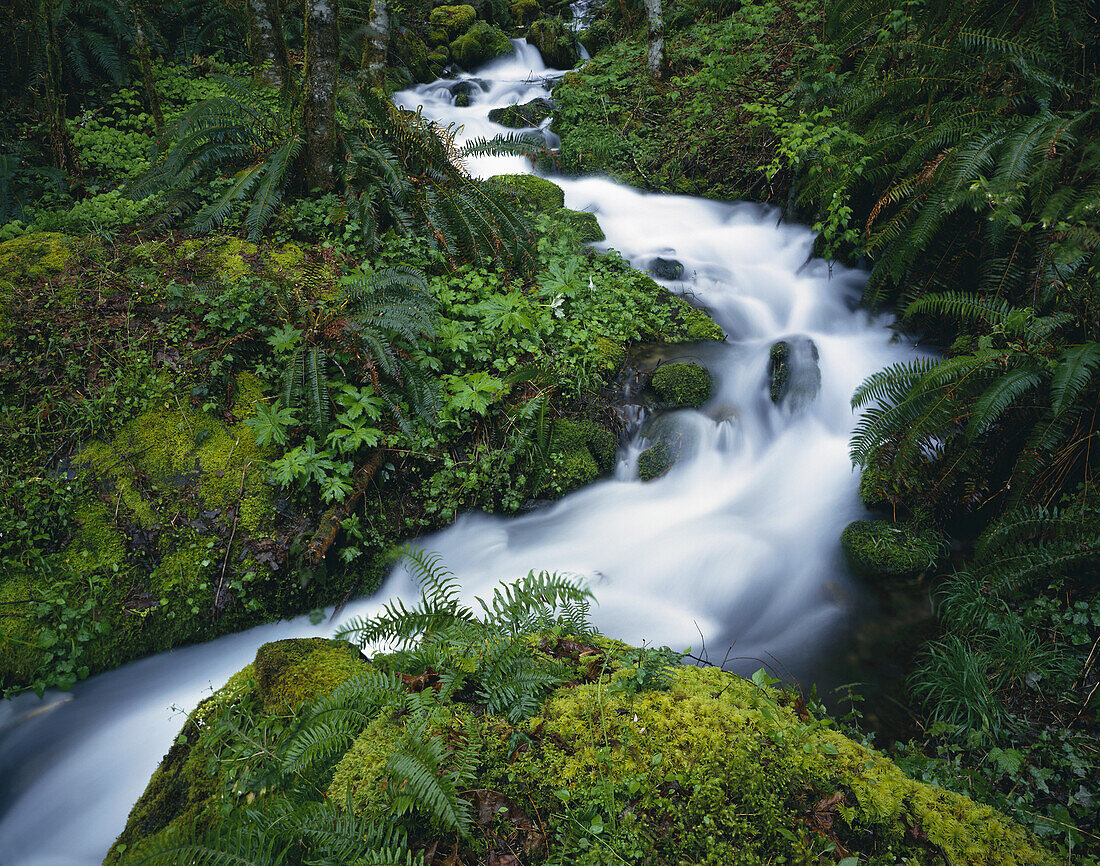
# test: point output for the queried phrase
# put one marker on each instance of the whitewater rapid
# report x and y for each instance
(736, 545)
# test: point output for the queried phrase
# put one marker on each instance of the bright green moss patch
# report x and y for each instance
(681, 384)
(538, 192)
(291, 671)
(585, 451)
(19, 640)
(655, 461)
(582, 223)
(879, 547)
(453, 20)
(480, 44)
(225, 259)
(32, 257)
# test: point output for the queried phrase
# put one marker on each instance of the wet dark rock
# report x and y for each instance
(794, 372)
(666, 269)
(520, 116)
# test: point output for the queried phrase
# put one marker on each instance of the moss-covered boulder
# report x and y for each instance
(582, 223)
(519, 116)
(556, 42)
(598, 35)
(289, 672)
(525, 11)
(584, 451)
(655, 461)
(451, 22)
(480, 44)
(880, 548)
(412, 52)
(538, 193)
(673, 764)
(681, 384)
(32, 257)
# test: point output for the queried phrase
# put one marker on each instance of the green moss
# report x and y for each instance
(288, 261)
(187, 778)
(779, 368)
(525, 11)
(453, 20)
(20, 655)
(585, 451)
(701, 327)
(519, 116)
(299, 669)
(681, 384)
(582, 223)
(655, 461)
(882, 548)
(96, 545)
(184, 566)
(222, 258)
(32, 257)
(537, 192)
(556, 42)
(413, 54)
(609, 355)
(480, 44)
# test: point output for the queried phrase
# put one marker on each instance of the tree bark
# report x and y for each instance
(61, 141)
(655, 57)
(337, 514)
(321, 77)
(266, 43)
(152, 100)
(378, 38)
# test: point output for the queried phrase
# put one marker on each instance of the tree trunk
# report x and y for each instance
(321, 76)
(655, 58)
(378, 38)
(266, 43)
(61, 141)
(152, 100)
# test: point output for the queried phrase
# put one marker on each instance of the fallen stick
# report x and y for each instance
(334, 516)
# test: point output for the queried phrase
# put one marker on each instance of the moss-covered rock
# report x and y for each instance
(681, 384)
(556, 42)
(609, 355)
(655, 461)
(582, 223)
(32, 257)
(525, 11)
(882, 548)
(222, 258)
(289, 672)
(413, 54)
(452, 20)
(480, 44)
(536, 192)
(584, 450)
(599, 34)
(709, 768)
(519, 116)
(20, 641)
(496, 12)
(794, 374)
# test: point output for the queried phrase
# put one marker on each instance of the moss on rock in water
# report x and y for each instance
(525, 11)
(655, 461)
(289, 672)
(543, 195)
(586, 450)
(879, 547)
(681, 384)
(582, 223)
(480, 44)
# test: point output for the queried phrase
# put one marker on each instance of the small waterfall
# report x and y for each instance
(736, 545)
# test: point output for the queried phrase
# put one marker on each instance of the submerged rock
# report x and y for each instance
(794, 373)
(520, 116)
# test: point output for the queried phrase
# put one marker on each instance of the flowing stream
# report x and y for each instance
(736, 545)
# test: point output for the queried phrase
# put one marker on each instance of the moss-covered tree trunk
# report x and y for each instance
(655, 57)
(378, 38)
(321, 76)
(61, 141)
(266, 42)
(141, 42)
